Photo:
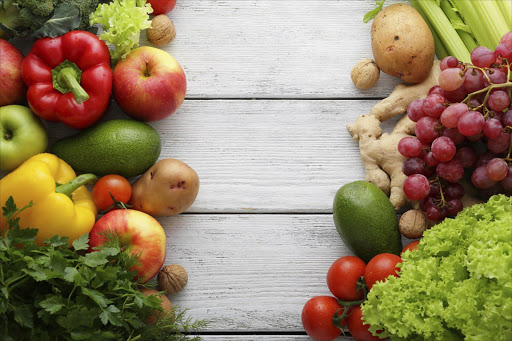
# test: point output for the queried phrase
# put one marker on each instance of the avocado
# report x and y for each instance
(124, 147)
(366, 221)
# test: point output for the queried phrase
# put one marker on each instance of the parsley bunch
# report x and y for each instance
(54, 292)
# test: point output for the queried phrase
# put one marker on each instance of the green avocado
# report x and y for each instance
(366, 221)
(124, 147)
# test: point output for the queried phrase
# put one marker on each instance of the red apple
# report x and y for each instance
(162, 6)
(139, 233)
(12, 88)
(149, 84)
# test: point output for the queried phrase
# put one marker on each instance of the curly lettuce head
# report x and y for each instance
(456, 286)
(122, 21)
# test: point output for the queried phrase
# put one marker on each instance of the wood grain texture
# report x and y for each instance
(261, 156)
(251, 272)
(273, 48)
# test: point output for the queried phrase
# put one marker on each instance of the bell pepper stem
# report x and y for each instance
(66, 78)
(77, 182)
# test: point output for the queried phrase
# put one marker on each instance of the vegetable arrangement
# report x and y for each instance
(451, 151)
(64, 272)
(51, 291)
(456, 286)
(349, 279)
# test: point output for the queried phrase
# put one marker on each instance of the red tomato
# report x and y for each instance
(342, 278)
(161, 6)
(411, 246)
(380, 267)
(113, 184)
(356, 328)
(317, 317)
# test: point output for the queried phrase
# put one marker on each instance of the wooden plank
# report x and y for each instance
(261, 156)
(273, 48)
(251, 272)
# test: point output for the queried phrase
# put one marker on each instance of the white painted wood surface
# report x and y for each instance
(273, 48)
(258, 241)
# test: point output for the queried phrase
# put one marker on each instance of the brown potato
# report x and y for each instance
(165, 304)
(402, 43)
(168, 188)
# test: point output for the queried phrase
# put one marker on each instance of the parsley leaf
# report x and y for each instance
(53, 292)
(81, 243)
(373, 13)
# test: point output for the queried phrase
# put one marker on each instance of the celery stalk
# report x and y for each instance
(473, 20)
(485, 20)
(445, 30)
(506, 10)
(441, 51)
(492, 18)
(466, 37)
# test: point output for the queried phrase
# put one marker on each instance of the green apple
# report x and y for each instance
(23, 136)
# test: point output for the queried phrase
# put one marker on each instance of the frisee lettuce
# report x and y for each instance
(122, 21)
(456, 286)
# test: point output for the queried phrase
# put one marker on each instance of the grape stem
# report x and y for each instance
(488, 88)
(442, 201)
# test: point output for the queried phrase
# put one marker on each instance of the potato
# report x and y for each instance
(165, 304)
(402, 43)
(168, 188)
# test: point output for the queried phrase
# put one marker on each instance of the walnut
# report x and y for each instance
(365, 74)
(162, 30)
(172, 278)
(412, 224)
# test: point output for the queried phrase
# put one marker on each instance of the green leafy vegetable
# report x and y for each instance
(41, 18)
(122, 21)
(52, 292)
(373, 13)
(65, 18)
(456, 286)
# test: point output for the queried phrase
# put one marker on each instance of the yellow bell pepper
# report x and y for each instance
(65, 210)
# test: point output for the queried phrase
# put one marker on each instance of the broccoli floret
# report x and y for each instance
(29, 20)
(86, 8)
(40, 8)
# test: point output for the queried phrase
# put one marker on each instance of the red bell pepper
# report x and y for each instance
(69, 78)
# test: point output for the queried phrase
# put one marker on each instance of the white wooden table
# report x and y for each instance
(263, 124)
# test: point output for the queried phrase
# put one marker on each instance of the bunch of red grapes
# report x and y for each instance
(463, 130)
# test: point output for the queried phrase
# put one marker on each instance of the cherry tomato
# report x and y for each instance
(342, 278)
(411, 246)
(317, 316)
(161, 6)
(113, 184)
(356, 328)
(380, 267)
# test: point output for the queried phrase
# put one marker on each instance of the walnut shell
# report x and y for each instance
(365, 74)
(162, 30)
(172, 278)
(412, 224)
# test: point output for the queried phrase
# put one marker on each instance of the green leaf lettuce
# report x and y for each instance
(122, 21)
(456, 286)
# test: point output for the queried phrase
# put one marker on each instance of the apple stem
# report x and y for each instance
(77, 182)
(146, 70)
(66, 78)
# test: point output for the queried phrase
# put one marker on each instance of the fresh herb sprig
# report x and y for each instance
(54, 292)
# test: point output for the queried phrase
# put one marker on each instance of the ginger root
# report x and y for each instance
(379, 152)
